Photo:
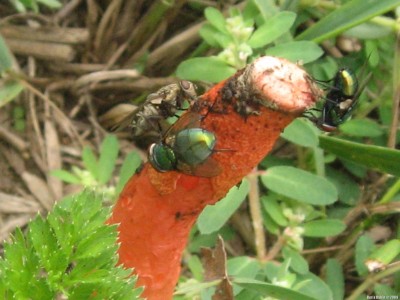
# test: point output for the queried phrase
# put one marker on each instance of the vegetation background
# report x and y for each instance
(322, 220)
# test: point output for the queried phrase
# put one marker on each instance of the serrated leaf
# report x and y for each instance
(271, 290)
(375, 157)
(210, 69)
(297, 51)
(302, 133)
(66, 176)
(42, 271)
(108, 157)
(300, 185)
(348, 15)
(46, 246)
(214, 217)
(95, 244)
(9, 90)
(335, 278)
(272, 29)
(324, 228)
(90, 161)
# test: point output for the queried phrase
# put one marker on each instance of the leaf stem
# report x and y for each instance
(373, 278)
(256, 216)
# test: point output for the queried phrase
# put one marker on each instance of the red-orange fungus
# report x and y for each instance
(156, 210)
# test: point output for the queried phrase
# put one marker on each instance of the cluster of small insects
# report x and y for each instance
(340, 100)
(183, 146)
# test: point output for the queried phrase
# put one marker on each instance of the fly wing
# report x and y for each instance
(125, 121)
(187, 120)
(209, 168)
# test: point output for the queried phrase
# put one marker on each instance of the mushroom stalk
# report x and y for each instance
(247, 114)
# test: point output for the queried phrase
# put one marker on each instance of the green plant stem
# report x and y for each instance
(379, 20)
(391, 192)
(386, 22)
(256, 216)
(373, 278)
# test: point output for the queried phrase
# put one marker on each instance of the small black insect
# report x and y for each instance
(340, 100)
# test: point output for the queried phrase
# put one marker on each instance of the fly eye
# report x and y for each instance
(186, 85)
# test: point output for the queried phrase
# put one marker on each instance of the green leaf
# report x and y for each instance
(364, 247)
(208, 33)
(271, 290)
(274, 210)
(300, 185)
(50, 3)
(361, 128)
(297, 51)
(324, 228)
(369, 31)
(302, 133)
(195, 267)
(348, 15)
(49, 261)
(108, 158)
(90, 161)
(216, 18)
(244, 267)
(131, 163)
(9, 90)
(313, 286)
(297, 262)
(272, 29)
(214, 217)
(383, 290)
(267, 8)
(45, 244)
(386, 253)
(209, 69)
(269, 224)
(375, 157)
(335, 278)
(349, 191)
(6, 59)
(66, 176)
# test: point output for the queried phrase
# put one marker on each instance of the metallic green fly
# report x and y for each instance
(186, 148)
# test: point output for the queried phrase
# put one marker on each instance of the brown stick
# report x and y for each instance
(42, 50)
(46, 34)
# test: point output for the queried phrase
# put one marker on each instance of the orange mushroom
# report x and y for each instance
(156, 211)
